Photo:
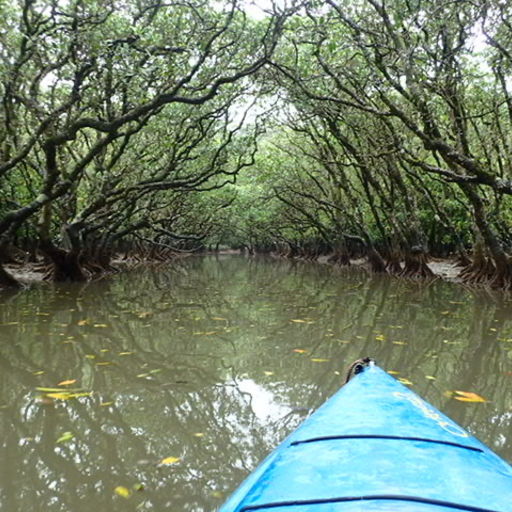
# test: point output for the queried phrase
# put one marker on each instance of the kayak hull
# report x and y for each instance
(377, 446)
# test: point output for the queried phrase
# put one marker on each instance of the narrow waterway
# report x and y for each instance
(164, 387)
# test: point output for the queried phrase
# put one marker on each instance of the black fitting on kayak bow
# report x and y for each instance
(358, 366)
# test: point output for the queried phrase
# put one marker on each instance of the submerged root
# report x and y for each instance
(340, 257)
(376, 262)
(416, 267)
(65, 265)
(485, 272)
(6, 280)
(393, 265)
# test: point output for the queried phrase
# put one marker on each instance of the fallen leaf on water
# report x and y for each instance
(104, 363)
(104, 350)
(218, 318)
(106, 404)
(123, 491)
(268, 373)
(399, 343)
(65, 437)
(66, 382)
(65, 395)
(100, 325)
(90, 356)
(126, 353)
(170, 460)
(299, 350)
(145, 314)
(380, 337)
(393, 372)
(40, 372)
(83, 322)
(198, 434)
(319, 360)
(468, 396)
(430, 377)
(299, 321)
(405, 381)
(56, 390)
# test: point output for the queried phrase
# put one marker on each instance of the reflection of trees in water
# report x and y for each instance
(180, 380)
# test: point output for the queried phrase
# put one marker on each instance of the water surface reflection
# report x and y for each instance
(213, 362)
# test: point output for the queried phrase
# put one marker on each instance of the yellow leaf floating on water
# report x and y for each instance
(66, 395)
(199, 434)
(430, 377)
(268, 373)
(299, 350)
(126, 353)
(66, 382)
(380, 337)
(399, 343)
(100, 325)
(40, 372)
(393, 372)
(106, 404)
(83, 322)
(123, 491)
(468, 396)
(170, 460)
(65, 437)
(59, 396)
(405, 381)
(218, 318)
(319, 360)
(301, 321)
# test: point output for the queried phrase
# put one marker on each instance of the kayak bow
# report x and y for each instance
(377, 446)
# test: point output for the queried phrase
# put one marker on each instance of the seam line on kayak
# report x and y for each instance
(391, 497)
(401, 438)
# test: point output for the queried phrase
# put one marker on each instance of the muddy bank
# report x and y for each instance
(446, 269)
(29, 273)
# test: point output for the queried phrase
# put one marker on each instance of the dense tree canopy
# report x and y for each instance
(346, 128)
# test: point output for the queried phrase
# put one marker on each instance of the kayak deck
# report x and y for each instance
(376, 446)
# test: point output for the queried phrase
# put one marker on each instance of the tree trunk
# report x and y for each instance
(377, 264)
(66, 265)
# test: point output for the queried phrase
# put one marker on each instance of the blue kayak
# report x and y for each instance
(376, 446)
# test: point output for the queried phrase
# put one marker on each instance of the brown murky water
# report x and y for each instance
(212, 363)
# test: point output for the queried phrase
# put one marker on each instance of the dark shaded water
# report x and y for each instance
(212, 363)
